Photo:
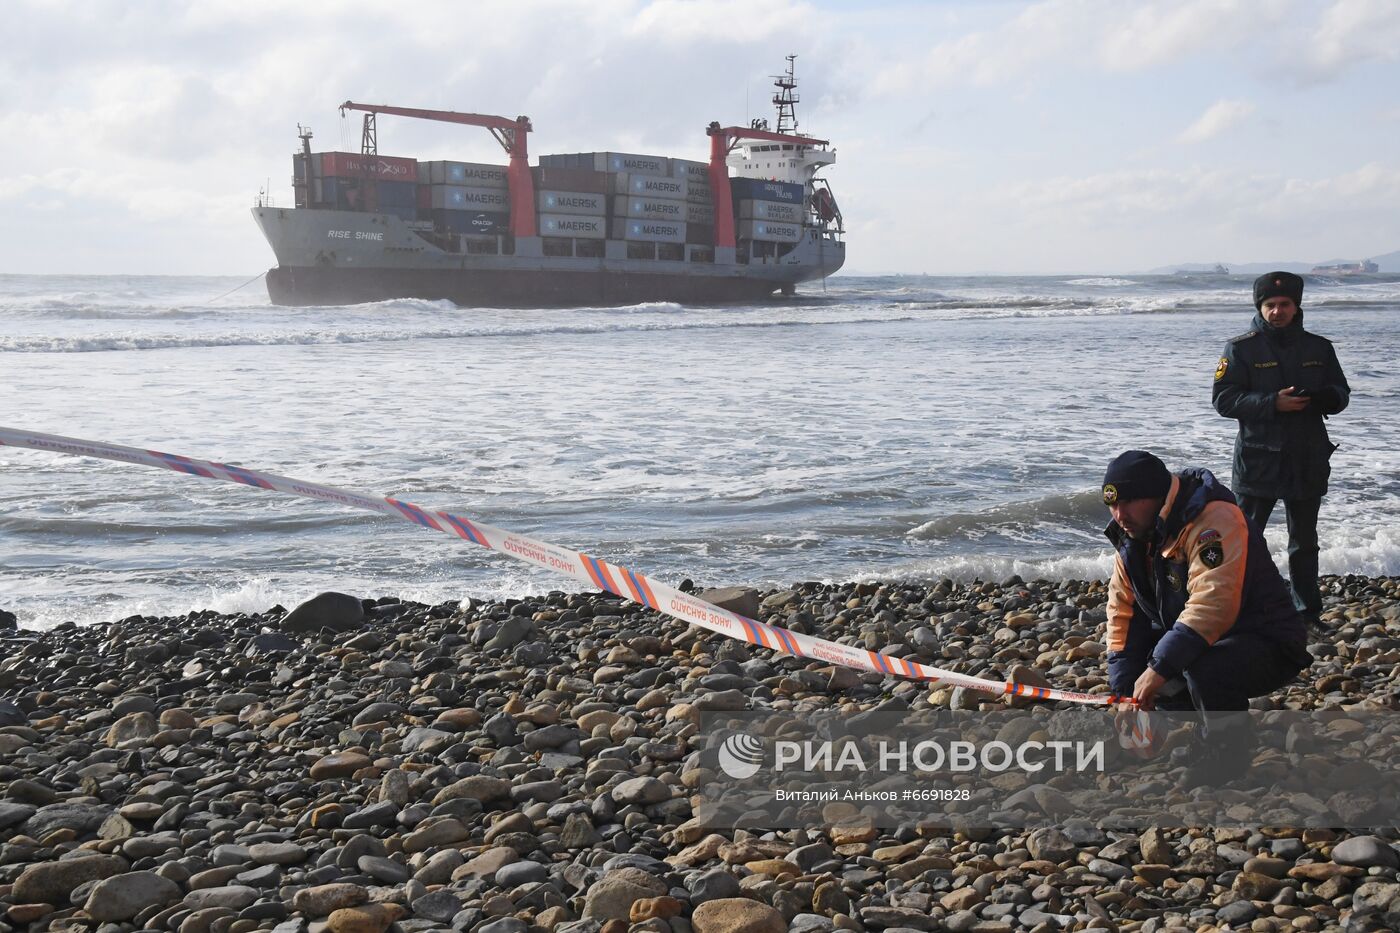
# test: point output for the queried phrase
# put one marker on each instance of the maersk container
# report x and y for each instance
(652, 186)
(690, 170)
(770, 210)
(631, 163)
(574, 225)
(699, 192)
(452, 197)
(561, 178)
(759, 189)
(699, 214)
(770, 231)
(648, 231)
(469, 174)
(572, 202)
(649, 208)
(484, 223)
(354, 165)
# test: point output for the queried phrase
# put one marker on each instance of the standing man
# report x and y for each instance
(1280, 381)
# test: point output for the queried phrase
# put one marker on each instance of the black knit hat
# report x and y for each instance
(1135, 474)
(1278, 285)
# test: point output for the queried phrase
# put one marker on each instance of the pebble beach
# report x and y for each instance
(530, 766)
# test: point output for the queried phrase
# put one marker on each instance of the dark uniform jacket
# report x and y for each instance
(1205, 574)
(1280, 455)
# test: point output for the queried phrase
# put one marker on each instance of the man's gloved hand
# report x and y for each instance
(1327, 400)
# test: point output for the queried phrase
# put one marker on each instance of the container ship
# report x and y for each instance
(575, 229)
(1364, 267)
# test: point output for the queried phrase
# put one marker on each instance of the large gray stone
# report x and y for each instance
(642, 791)
(429, 741)
(232, 896)
(81, 818)
(739, 599)
(512, 632)
(518, 873)
(1051, 845)
(1366, 852)
(441, 906)
(122, 897)
(277, 853)
(335, 611)
(477, 787)
(811, 923)
(14, 813)
(712, 885)
(52, 882)
(611, 898)
(133, 703)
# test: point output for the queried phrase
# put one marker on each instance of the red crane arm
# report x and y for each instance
(732, 134)
(519, 124)
(511, 134)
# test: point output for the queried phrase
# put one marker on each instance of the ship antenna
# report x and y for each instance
(786, 98)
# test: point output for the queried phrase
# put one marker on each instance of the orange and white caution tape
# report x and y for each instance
(584, 569)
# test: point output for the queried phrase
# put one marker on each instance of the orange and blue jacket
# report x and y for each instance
(1205, 573)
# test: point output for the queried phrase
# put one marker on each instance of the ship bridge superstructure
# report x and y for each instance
(795, 160)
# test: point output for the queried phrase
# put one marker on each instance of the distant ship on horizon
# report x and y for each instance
(1217, 269)
(1364, 267)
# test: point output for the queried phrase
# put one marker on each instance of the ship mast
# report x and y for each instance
(786, 99)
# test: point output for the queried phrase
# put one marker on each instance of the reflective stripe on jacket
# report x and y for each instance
(1206, 572)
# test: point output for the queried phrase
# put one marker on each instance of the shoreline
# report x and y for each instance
(519, 767)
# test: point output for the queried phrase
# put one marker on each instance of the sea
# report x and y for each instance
(870, 428)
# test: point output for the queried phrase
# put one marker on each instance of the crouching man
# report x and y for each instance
(1195, 597)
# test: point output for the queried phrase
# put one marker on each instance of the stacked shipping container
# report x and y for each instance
(653, 199)
(572, 201)
(768, 211)
(348, 181)
(580, 196)
(464, 197)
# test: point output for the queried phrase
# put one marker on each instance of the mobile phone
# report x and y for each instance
(1302, 393)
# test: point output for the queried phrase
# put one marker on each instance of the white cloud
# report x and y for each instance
(1352, 32)
(1111, 37)
(1219, 117)
(686, 21)
(1140, 36)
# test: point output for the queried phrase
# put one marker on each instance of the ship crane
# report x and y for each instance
(511, 134)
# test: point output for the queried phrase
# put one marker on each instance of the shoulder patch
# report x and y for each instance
(1244, 336)
(1220, 368)
(1207, 536)
(1213, 554)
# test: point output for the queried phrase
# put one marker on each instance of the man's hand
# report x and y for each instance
(1146, 687)
(1287, 401)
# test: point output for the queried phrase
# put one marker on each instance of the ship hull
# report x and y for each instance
(337, 257)
(506, 288)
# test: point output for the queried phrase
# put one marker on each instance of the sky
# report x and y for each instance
(1061, 136)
